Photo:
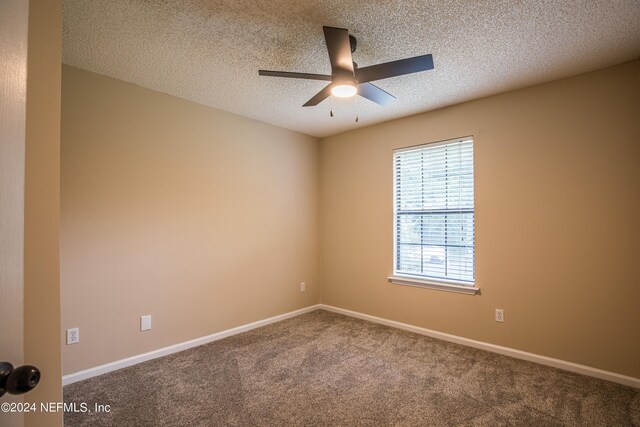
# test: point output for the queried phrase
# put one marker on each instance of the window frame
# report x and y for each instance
(443, 284)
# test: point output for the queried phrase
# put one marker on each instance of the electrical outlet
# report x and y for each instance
(73, 336)
(302, 286)
(145, 322)
(499, 315)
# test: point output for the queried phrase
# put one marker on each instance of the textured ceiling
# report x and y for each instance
(209, 51)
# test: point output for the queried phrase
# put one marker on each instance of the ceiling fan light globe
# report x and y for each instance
(344, 90)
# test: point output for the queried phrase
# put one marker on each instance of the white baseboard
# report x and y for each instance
(123, 363)
(518, 354)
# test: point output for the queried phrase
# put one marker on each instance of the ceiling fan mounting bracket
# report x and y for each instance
(353, 42)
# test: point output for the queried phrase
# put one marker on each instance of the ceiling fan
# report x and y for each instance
(346, 78)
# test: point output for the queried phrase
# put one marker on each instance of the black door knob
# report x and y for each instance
(19, 380)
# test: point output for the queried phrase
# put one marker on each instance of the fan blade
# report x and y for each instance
(375, 94)
(394, 68)
(319, 97)
(294, 75)
(339, 49)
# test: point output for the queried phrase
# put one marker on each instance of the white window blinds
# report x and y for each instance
(433, 211)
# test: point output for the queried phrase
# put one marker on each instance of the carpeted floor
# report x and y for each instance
(325, 369)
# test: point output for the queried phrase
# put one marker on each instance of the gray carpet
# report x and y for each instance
(324, 369)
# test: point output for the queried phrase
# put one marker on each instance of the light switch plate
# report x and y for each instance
(145, 322)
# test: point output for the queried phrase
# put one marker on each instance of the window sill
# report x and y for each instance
(432, 284)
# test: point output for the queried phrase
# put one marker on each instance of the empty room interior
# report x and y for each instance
(331, 213)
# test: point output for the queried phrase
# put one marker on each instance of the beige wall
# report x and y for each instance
(557, 181)
(207, 220)
(201, 218)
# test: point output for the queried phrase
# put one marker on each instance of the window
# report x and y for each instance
(434, 213)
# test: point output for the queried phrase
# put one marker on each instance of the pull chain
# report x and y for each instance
(331, 111)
